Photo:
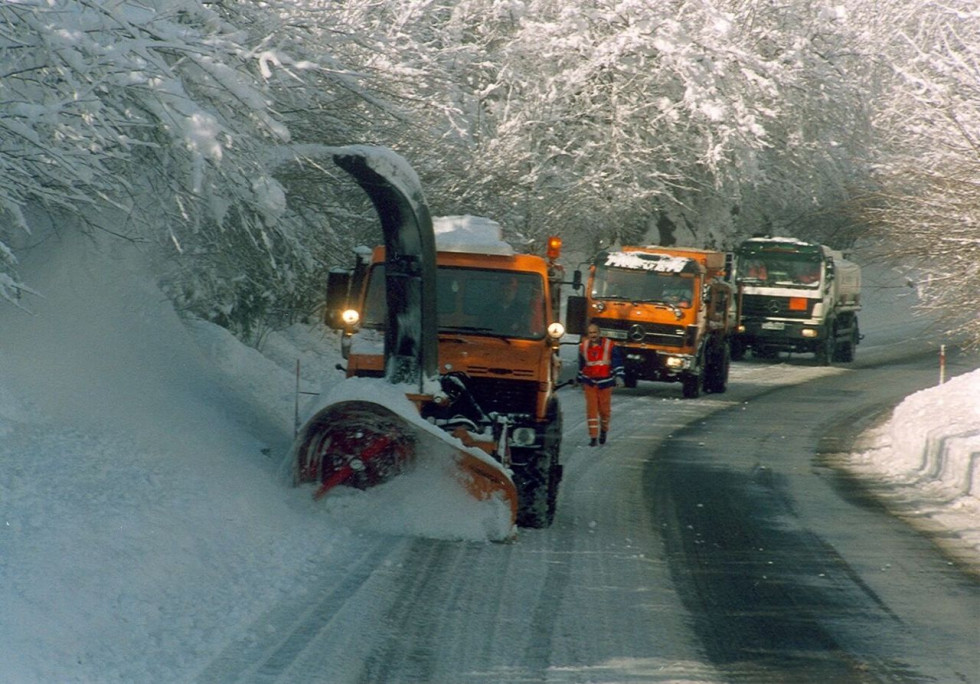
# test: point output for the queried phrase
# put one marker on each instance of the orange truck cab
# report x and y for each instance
(498, 337)
(670, 309)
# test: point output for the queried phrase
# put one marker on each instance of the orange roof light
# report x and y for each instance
(554, 247)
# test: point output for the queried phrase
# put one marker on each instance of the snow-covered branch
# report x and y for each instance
(694, 121)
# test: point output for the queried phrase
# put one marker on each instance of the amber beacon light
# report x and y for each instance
(554, 247)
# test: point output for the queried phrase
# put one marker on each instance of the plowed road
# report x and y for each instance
(711, 540)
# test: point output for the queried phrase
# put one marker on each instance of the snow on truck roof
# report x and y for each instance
(794, 245)
(647, 261)
(473, 234)
(777, 239)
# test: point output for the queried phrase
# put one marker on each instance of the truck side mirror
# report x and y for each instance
(577, 280)
(831, 272)
(575, 308)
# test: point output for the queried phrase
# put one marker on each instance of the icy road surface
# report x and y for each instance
(145, 537)
(707, 542)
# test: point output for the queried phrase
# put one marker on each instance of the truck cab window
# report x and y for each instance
(503, 303)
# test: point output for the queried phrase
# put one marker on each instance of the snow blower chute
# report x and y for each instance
(370, 429)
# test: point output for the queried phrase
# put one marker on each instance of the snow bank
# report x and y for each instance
(936, 435)
(141, 519)
(929, 451)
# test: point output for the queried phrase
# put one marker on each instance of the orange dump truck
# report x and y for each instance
(498, 336)
(670, 309)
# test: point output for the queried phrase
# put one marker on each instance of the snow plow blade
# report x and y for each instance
(361, 444)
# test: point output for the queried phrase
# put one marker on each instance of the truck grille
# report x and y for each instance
(660, 334)
(762, 306)
(504, 396)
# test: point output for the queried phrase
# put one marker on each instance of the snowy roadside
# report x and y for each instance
(924, 464)
(921, 459)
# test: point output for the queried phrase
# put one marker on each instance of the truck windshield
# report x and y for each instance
(636, 285)
(779, 269)
(472, 301)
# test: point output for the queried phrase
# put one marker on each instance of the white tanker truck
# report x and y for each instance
(796, 296)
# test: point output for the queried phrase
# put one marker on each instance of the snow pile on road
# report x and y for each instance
(929, 452)
(141, 513)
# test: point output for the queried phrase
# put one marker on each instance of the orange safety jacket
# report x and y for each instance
(599, 364)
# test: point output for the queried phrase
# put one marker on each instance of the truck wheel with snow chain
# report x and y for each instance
(537, 476)
(718, 365)
(827, 349)
(692, 383)
(847, 338)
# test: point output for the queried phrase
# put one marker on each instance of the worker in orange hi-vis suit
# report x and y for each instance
(600, 368)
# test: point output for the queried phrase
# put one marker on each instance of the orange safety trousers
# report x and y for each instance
(598, 408)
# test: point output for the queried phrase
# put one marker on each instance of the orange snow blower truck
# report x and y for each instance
(370, 430)
(498, 337)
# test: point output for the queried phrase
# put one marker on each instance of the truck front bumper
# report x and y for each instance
(656, 364)
(800, 336)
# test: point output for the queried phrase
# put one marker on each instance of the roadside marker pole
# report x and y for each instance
(298, 392)
(296, 407)
(942, 363)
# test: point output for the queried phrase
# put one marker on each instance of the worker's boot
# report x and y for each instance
(602, 437)
(592, 442)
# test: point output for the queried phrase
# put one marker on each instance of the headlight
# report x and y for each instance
(556, 330)
(350, 317)
(522, 436)
(808, 332)
(677, 362)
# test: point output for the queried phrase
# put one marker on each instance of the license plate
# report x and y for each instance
(615, 334)
(773, 325)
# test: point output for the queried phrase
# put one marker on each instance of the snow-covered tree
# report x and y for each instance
(927, 206)
(689, 121)
(154, 120)
(610, 118)
(107, 107)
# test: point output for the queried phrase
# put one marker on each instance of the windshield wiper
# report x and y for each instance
(464, 328)
(456, 331)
